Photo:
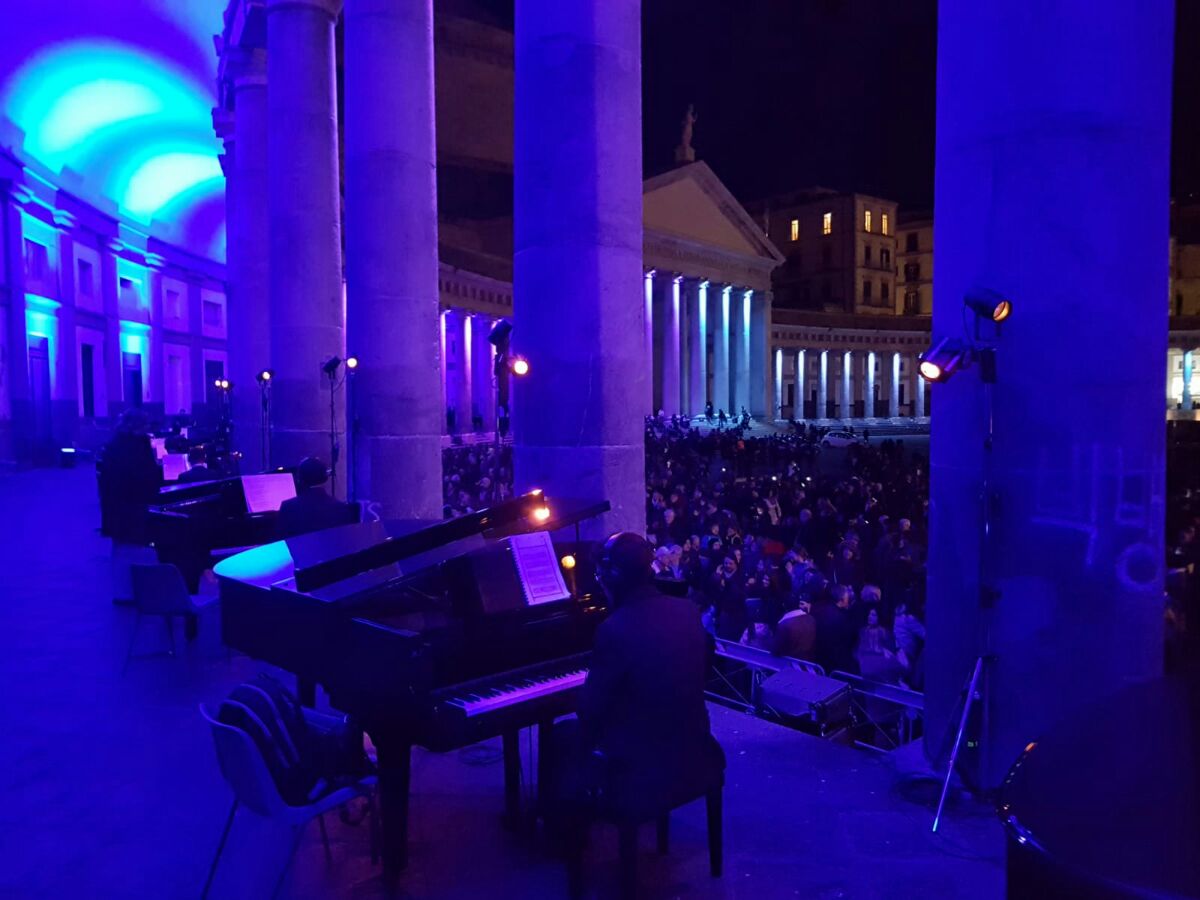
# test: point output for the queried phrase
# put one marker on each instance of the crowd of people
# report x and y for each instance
(475, 476)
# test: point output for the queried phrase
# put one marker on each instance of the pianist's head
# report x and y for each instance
(625, 565)
(311, 473)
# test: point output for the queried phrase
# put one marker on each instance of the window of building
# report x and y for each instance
(912, 303)
(827, 223)
(37, 260)
(910, 242)
(912, 271)
(1179, 304)
(173, 301)
(885, 257)
(885, 294)
(212, 313)
(86, 278)
(867, 291)
(866, 220)
(795, 229)
(883, 221)
(88, 379)
(826, 256)
(867, 255)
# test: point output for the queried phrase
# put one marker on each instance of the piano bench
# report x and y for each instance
(627, 829)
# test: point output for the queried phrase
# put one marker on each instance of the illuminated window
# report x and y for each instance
(866, 220)
(86, 278)
(174, 304)
(37, 260)
(827, 223)
(212, 313)
(795, 229)
(883, 222)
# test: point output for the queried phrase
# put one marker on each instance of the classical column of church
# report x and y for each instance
(894, 387)
(247, 250)
(578, 221)
(742, 354)
(822, 411)
(798, 374)
(846, 404)
(483, 391)
(720, 388)
(869, 386)
(304, 206)
(1075, 553)
(672, 364)
(391, 256)
(918, 388)
(762, 366)
(648, 338)
(1187, 380)
(696, 302)
(464, 365)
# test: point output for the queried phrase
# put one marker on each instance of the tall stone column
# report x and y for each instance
(247, 245)
(823, 387)
(1187, 380)
(483, 392)
(798, 373)
(114, 362)
(696, 301)
(463, 370)
(741, 355)
(672, 357)
(15, 432)
(777, 383)
(846, 407)
(1074, 557)
(66, 362)
(578, 221)
(762, 366)
(648, 342)
(918, 387)
(894, 388)
(304, 219)
(720, 389)
(869, 386)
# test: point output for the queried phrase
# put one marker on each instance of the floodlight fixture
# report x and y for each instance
(943, 359)
(988, 304)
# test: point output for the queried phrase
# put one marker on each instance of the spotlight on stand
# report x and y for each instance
(987, 304)
(943, 359)
(351, 363)
(331, 365)
(542, 514)
(499, 335)
(519, 366)
(264, 377)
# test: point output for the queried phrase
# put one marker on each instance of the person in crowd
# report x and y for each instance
(312, 508)
(796, 634)
(197, 469)
(876, 658)
(129, 478)
(837, 635)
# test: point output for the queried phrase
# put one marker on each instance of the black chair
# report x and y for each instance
(628, 816)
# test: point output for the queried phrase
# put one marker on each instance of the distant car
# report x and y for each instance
(839, 439)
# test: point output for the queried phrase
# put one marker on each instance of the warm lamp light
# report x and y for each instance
(943, 359)
(568, 562)
(542, 514)
(351, 362)
(988, 304)
(520, 366)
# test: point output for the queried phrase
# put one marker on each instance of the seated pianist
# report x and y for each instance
(642, 742)
(312, 508)
(197, 470)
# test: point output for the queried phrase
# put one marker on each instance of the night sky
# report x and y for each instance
(839, 93)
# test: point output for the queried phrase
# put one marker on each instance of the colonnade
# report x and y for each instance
(845, 384)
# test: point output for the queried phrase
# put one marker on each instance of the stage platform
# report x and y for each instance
(112, 789)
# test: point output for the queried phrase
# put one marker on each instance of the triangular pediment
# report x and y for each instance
(691, 203)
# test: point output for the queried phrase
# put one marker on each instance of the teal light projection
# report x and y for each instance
(136, 127)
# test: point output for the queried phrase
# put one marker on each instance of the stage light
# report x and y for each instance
(542, 514)
(568, 562)
(943, 359)
(500, 332)
(264, 376)
(988, 305)
(520, 366)
(217, 383)
(331, 365)
(351, 363)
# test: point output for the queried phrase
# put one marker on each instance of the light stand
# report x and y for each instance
(330, 368)
(351, 428)
(264, 389)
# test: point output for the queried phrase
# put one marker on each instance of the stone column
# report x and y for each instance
(696, 301)
(305, 287)
(894, 388)
(483, 396)
(846, 408)
(762, 369)
(869, 388)
(1187, 380)
(247, 247)
(918, 388)
(823, 387)
(16, 431)
(463, 371)
(578, 221)
(66, 362)
(1075, 549)
(648, 329)
(741, 366)
(114, 362)
(720, 389)
(672, 360)
(777, 384)
(798, 373)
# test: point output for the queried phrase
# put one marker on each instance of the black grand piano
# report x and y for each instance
(425, 633)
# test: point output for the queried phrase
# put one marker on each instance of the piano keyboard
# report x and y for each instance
(491, 699)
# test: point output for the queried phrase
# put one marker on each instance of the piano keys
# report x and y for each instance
(423, 631)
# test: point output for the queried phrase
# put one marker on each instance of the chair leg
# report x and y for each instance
(325, 838)
(627, 839)
(664, 830)
(212, 869)
(137, 620)
(715, 845)
(288, 865)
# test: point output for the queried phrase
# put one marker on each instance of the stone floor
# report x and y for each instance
(111, 788)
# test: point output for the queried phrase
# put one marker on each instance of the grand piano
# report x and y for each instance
(427, 634)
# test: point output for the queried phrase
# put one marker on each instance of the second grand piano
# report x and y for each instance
(434, 635)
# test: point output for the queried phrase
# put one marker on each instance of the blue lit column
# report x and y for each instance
(16, 443)
(648, 338)
(304, 208)
(696, 301)
(845, 405)
(823, 387)
(741, 367)
(578, 222)
(720, 389)
(1076, 548)
(894, 388)
(66, 363)
(113, 361)
(798, 373)
(777, 391)
(483, 396)
(918, 388)
(672, 363)
(463, 370)
(762, 367)
(1187, 380)
(391, 256)
(869, 388)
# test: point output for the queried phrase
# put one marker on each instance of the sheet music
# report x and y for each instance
(160, 446)
(265, 493)
(537, 567)
(174, 465)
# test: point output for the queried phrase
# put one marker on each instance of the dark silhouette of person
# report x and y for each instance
(129, 480)
(312, 508)
(197, 469)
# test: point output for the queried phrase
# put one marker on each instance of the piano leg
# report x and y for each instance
(395, 770)
(545, 760)
(512, 779)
